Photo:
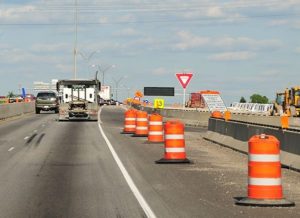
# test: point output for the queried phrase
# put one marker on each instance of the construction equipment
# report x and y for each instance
(196, 100)
(288, 102)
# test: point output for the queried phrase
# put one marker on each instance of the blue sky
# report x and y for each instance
(237, 47)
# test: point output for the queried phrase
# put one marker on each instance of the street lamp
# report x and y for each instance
(117, 82)
(103, 70)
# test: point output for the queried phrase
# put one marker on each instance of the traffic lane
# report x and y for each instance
(206, 188)
(14, 134)
(69, 173)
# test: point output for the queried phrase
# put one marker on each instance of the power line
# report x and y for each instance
(154, 21)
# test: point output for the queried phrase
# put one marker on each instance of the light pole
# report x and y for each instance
(103, 70)
(117, 82)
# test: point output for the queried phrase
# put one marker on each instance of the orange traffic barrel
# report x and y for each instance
(129, 122)
(227, 115)
(264, 173)
(216, 114)
(284, 121)
(141, 129)
(174, 143)
(156, 128)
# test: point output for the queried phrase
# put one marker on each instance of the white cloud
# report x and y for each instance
(127, 32)
(232, 56)
(297, 50)
(188, 40)
(160, 71)
(58, 47)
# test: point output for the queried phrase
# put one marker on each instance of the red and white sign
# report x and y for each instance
(184, 78)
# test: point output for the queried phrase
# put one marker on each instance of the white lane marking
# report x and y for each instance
(148, 211)
(12, 148)
(27, 137)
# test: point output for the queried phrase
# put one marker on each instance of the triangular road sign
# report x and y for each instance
(184, 78)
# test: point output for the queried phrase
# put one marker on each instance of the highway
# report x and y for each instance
(69, 169)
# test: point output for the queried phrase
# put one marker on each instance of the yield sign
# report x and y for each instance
(184, 78)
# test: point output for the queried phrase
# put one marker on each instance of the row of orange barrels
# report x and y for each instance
(284, 119)
(264, 166)
(140, 124)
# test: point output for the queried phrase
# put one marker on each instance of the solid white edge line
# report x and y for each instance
(12, 148)
(148, 211)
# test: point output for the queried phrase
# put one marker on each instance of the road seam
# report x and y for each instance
(145, 206)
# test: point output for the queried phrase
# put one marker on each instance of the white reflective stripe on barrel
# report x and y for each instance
(264, 157)
(142, 127)
(175, 150)
(174, 136)
(141, 119)
(264, 181)
(155, 133)
(155, 123)
(130, 119)
(129, 126)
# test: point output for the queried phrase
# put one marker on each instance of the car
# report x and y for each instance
(17, 98)
(46, 101)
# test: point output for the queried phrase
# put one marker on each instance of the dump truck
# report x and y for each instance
(78, 99)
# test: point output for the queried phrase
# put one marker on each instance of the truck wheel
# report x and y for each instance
(37, 111)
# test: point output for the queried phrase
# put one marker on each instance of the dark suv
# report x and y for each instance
(46, 101)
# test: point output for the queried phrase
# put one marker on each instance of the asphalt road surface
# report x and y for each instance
(70, 169)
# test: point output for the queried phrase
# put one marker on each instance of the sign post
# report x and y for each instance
(184, 79)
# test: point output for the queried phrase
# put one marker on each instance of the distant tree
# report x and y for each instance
(256, 98)
(10, 94)
(243, 100)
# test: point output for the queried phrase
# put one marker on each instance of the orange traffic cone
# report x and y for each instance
(264, 173)
(141, 129)
(174, 143)
(129, 122)
(156, 129)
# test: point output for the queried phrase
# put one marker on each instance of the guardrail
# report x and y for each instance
(254, 108)
(235, 134)
(16, 109)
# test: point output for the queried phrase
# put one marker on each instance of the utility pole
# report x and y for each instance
(75, 37)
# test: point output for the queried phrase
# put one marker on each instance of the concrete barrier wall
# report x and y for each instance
(16, 109)
(236, 135)
(190, 117)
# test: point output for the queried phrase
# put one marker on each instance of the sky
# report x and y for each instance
(238, 47)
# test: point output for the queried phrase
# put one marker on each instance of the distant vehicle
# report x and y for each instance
(79, 99)
(17, 98)
(46, 101)
(29, 97)
(105, 95)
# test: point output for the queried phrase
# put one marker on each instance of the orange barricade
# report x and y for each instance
(284, 121)
(174, 143)
(129, 121)
(227, 115)
(216, 114)
(264, 173)
(156, 128)
(141, 129)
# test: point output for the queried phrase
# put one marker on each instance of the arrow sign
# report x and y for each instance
(184, 78)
